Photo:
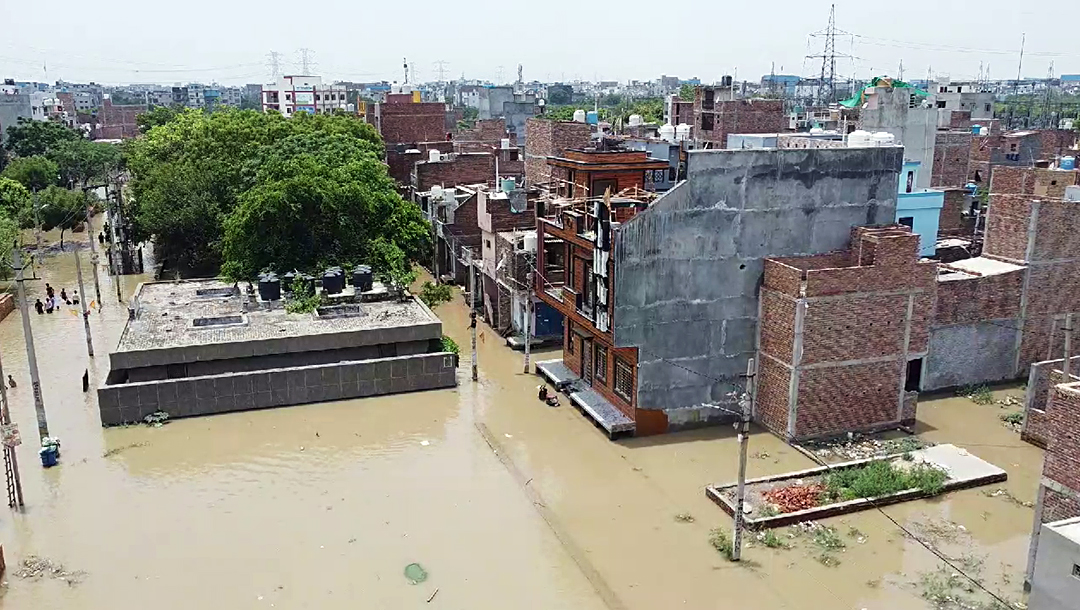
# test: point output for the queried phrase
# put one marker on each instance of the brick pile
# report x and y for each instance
(866, 313)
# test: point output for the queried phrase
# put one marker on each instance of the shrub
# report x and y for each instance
(449, 345)
(719, 540)
(882, 478)
(303, 300)
(434, 295)
(1013, 418)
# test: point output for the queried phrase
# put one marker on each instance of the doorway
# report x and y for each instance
(587, 361)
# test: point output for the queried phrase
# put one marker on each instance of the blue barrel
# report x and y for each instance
(1068, 163)
(49, 455)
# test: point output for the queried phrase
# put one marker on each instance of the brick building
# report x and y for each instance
(1059, 488)
(661, 300)
(546, 138)
(717, 113)
(843, 336)
(952, 158)
(118, 121)
(589, 172)
(405, 122)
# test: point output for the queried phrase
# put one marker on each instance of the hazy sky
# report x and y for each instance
(124, 41)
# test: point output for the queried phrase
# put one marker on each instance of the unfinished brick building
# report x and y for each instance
(546, 138)
(589, 172)
(1059, 488)
(717, 113)
(843, 336)
(952, 158)
(119, 121)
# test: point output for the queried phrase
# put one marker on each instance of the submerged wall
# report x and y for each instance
(688, 269)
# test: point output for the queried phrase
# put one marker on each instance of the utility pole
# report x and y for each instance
(39, 253)
(82, 304)
(114, 260)
(28, 334)
(11, 460)
(528, 320)
(472, 311)
(1068, 347)
(93, 251)
(746, 401)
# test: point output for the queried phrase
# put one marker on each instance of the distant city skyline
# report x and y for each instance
(229, 43)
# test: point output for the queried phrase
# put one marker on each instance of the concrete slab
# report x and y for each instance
(517, 342)
(602, 412)
(964, 471)
(557, 373)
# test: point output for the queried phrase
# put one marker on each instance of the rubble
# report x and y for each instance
(858, 447)
(34, 567)
(795, 497)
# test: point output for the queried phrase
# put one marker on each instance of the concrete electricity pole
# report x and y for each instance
(746, 401)
(82, 304)
(528, 320)
(114, 261)
(11, 459)
(28, 334)
(93, 255)
(472, 312)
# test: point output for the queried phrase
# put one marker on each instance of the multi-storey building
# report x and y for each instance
(292, 94)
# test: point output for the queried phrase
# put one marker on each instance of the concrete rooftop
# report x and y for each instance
(978, 266)
(166, 311)
(1070, 528)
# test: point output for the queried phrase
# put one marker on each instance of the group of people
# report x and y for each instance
(51, 303)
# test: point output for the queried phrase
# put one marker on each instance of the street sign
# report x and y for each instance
(9, 435)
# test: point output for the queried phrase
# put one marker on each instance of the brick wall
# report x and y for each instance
(840, 399)
(400, 164)
(544, 138)
(485, 130)
(952, 158)
(771, 397)
(1058, 506)
(1042, 378)
(459, 169)
(951, 220)
(742, 116)
(119, 121)
(1062, 463)
(1007, 224)
(411, 123)
(7, 305)
(992, 297)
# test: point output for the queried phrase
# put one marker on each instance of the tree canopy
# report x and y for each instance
(81, 162)
(241, 191)
(35, 172)
(15, 204)
(28, 138)
(61, 209)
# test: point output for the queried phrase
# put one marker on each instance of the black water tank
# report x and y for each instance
(287, 281)
(269, 286)
(362, 278)
(333, 280)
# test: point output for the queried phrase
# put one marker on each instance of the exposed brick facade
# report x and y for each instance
(119, 122)
(1059, 489)
(837, 334)
(458, 169)
(409, 123)
(545, 138)
(737, 116)
(952, 158)
(7, 305)
(951, 219)
(485, 130)
(588, 173)
(974, 299)
(400, 163)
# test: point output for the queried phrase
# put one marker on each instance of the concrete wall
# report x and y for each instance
(7, 305)
(265, 347)
(688, 269)
(962, 354)
(12, 108)
(924, 208)
(914, 128)
(1054, 585)
(275, 388)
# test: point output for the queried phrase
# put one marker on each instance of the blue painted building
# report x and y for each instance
(919, 208)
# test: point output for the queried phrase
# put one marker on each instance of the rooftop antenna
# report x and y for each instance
(405, 63)
(1020, 65)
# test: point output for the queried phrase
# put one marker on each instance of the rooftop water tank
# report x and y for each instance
(529, 243)
(505, 143)
(1068, 163)
(333, 280)
(449, 195)
(508, 185)
(860, 139)
(976, 128)
(436, 193)
(579, 116)
(667, 133)
(269, 286)
(433, 155)
(635, 120)
(682, 132)
(362, 278)
(816, 131)
(884, 138)
(592, 117)
(984, 131)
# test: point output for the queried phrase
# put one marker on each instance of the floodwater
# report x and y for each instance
(504, 501)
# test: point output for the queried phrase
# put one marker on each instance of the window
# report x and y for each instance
(707, 122)
(978, 176)
(571, 337)
(988, 107)
(1076, 571)
(288, 96)
(941, 104)
(907, 221)
(910, 181)
(914, 375)
(1012, 147)
(624, 378)
(601, 363)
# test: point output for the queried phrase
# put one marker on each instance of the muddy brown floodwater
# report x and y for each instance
(504, 501)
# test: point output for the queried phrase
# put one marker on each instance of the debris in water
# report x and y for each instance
(156, 419)
(36, 567)
(433, 594)
(684, 518)
(424, 443)
(508, 435)
(415, 573)
(122, 448)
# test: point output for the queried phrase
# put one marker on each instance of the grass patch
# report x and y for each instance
(978, 394)
(768, 510)
(449, 345)
(684, 518)
(771, 540)
(720, 541)
(1013, 418)
(882, 478)
(827, 538)
(828, 560)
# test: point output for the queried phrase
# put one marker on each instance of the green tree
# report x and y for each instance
(158, 115)
(559, 113)
(16, 203)
(61, 209)
(686, 93)
(28, 138)
(35, 173)
(9, 236)
(81, 162)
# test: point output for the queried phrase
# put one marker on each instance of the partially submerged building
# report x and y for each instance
(661, 300)
(202, 347)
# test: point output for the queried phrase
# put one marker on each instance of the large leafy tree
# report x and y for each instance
(241, 190)
(28, 138)
(15, 203)
(82, 162)
(9, 235)
(61, 209)
(35, 172)
(158, 115)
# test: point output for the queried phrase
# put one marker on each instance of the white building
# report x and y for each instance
(292, 94)
(1056, 582)
(963, 96)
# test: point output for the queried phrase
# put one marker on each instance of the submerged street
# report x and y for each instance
(501, 499)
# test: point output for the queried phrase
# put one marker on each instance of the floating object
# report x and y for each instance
(415, 573)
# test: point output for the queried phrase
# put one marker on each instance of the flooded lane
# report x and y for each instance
(503, 500)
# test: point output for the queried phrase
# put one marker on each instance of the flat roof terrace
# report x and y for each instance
(198, 320)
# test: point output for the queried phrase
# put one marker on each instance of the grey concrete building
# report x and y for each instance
(200, 347)
(1056, 582)
(907, 116)
(13, 106)
(688, 269)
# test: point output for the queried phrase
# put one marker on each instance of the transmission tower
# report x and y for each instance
(440, 69)
(826, 92)
(520, 80)
(499, 75)
(274, 63)
(307, 61)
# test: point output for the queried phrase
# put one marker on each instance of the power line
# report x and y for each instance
(826, 92)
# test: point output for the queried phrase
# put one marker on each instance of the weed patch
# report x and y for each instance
(719, 540)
